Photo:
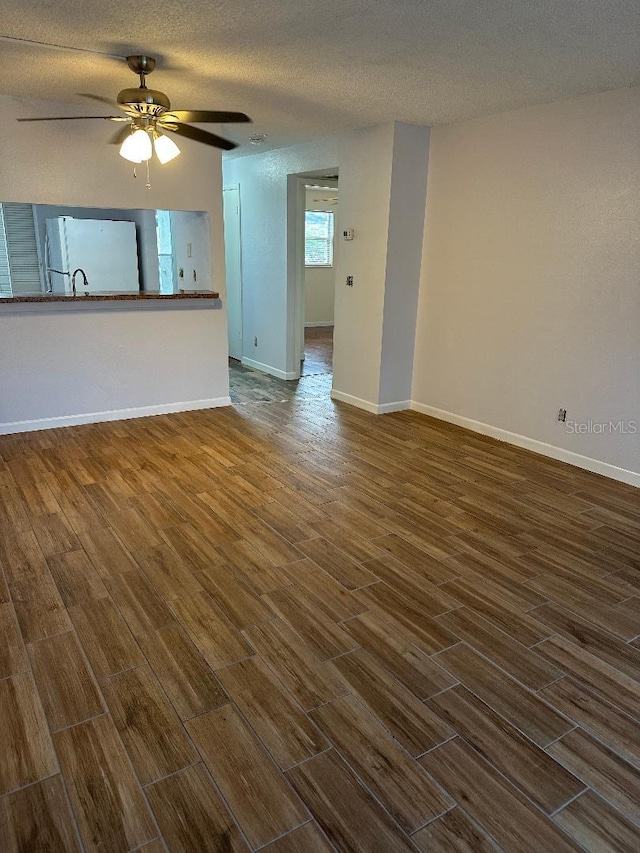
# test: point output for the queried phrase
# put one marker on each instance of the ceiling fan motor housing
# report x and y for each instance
(146, 101)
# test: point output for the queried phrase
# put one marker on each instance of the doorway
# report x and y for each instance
(312, 217)
(321, 201)
(309, 304)
(318, 351)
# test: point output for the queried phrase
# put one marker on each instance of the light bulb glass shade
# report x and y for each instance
(137, 147)
(166, 149)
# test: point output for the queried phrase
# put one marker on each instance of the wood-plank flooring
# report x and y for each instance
(293, 626)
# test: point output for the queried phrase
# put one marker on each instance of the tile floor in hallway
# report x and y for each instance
(318, 350)
(295, 626)
(247, 385)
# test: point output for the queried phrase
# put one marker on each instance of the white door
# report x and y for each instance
(233, 265)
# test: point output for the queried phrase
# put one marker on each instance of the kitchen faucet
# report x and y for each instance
(73, 279)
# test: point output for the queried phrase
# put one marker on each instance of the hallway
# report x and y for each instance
(318, 351)
(247, 385)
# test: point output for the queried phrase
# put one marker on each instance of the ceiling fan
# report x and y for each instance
(148, 115)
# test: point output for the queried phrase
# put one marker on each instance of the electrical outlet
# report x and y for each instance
(349, 281)
(562, 415)
(255, 342)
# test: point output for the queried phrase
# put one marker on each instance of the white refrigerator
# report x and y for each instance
(105, 249)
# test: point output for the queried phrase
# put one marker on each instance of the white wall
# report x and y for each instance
(70, 364)
(365, 191)
(320, 282)
(404, 256)
(530, 290)
(319, 285)
(70, 164)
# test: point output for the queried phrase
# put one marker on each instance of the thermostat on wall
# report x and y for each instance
(349, 233)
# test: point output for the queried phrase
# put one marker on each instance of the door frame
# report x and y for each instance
(296, 207)
(234, 188)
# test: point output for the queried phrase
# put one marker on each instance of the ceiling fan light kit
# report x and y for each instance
(136, 147)
(165, 148)
(148, 115)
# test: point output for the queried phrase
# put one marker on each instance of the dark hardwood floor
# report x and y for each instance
(295, 626)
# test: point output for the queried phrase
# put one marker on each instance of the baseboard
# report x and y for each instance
(266, 368)
(595, 465)
(398, 406)
(374, 408)
(317, 323)
(112, 415)
(354, 401)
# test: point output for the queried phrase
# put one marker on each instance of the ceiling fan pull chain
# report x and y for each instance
(148, 184)
(135, 174)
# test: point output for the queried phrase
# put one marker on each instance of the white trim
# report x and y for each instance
(113, 415)
(398, 406)
(266, 368)
(586, 462)
(354, 401)
(316, 323)
(374, 408)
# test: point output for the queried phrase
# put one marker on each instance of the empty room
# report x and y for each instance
(320, 426)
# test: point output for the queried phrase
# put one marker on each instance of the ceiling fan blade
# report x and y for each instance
(75, 118)
(101, 99)
(211, 116)
(120, 135)
(201, 136)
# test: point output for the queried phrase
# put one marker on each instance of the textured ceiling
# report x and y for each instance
(303, 68)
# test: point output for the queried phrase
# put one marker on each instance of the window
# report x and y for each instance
(318, 238)
(165, 251)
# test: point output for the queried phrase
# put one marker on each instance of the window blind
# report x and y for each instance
(21, 247)
(5, 278)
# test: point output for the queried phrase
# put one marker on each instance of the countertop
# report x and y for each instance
(107, 297)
